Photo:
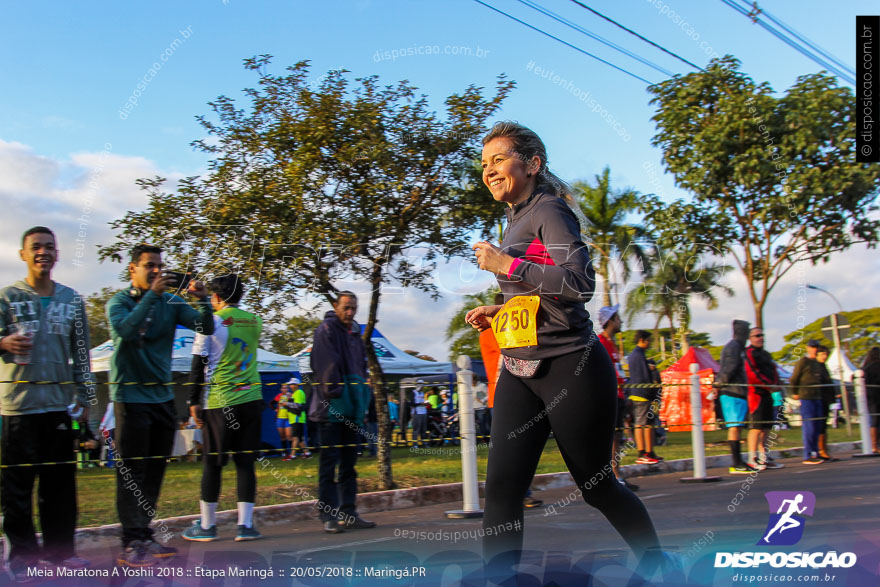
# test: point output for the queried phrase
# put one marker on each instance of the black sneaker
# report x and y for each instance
(531, 502)
(654, 456)
(159, 551)
(628, 485)
(135, 555)
(358, 523)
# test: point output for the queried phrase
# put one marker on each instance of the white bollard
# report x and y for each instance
(468, 431)
(697, 443)
(864, 417)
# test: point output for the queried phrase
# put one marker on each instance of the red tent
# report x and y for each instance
(676, 408)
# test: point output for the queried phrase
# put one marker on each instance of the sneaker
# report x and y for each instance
(17, 569)
(741, 470)
(198, 534)
(160, 551)
(757, 465)
(245, 533)
(73, 562)
(358, 523)
(772, 464)
(659, 459)
(646, 460)
(305, 455)
(287, 457)
(813, 461)
(531, 502)
(135, 555)
(334, 527)
(828, 458)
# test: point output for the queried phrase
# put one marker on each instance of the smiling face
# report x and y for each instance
(508, 177)
(147, 269)
(39, 253)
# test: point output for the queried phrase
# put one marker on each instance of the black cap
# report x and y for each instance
(813, 343)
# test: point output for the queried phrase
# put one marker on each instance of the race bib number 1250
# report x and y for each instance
(514, 324)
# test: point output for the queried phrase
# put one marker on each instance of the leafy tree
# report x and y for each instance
(864, 333)
(314, 187)
(293, 335)
(99, 326)
(465, 338)
(775, 180)
(611, 236)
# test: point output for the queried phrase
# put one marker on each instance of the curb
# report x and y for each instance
(395, 499)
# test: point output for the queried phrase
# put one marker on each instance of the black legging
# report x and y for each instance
(575, 395)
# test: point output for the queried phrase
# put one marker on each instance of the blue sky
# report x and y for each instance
(69, 68)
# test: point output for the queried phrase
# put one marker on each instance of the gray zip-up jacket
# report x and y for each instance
(60, 351)
(551, 261)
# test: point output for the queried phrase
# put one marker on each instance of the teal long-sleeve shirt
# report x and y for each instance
(143, 339)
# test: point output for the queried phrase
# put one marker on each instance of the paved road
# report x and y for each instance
(566, 538)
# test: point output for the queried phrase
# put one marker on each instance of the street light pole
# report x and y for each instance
(836, 334)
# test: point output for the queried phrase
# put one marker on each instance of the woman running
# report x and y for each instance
(557, 376)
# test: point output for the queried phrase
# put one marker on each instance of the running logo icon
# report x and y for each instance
(786, 524)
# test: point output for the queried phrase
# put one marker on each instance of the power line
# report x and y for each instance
(809, 43)
(632, 32)
(594, 36)
(566, 43)
(788, 41)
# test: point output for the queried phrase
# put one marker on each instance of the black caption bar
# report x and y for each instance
(867, 89)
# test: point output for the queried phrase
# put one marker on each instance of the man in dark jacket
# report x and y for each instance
(644, 399)
(763, 379)
(808, 372)
(733, 392)
(339, 403)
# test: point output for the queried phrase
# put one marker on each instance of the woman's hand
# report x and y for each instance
(490, 258)
(481, 317)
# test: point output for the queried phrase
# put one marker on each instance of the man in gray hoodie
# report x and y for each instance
(734, 393)
(45, 337)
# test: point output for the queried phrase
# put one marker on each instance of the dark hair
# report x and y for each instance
(37, 230)
(142, 248)
(345, 294)
(499, 298)
(642, 335)
(873, 356)
(228, 287)
(528, 144)
(821, 349)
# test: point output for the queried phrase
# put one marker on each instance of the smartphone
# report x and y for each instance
(178, 281)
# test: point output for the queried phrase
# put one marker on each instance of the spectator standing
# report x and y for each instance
(734, 393)
(143, 319)
(282, 420)
(644, 399)
(871, 367)
(808, 374)
(419, 414)
(339, 403)
(763, 379)
(829, 396)
(45, 337)
(609, 320)
(230, 411)
(296, 415)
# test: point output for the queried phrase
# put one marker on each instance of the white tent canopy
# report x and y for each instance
(181, 356)
(393, 360)
(836, 358)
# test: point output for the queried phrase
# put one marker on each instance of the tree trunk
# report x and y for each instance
(606, 286)
(658, 340)
(759, 313)
(380, 392)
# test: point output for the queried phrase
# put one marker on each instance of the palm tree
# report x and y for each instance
(609, 234)
(677, 278)
(466, 340)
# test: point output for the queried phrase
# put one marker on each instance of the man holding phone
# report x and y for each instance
(143, 319)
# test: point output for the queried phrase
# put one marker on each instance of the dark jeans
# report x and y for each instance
(333, 492)
(811, 425)
(38, 438)
(419, 427)
(142, 430)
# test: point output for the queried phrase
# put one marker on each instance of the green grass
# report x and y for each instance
(285, 482)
